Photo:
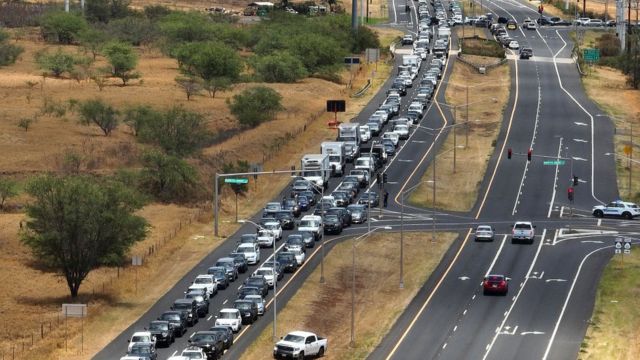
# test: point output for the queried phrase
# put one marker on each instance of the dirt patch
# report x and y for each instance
(326, 308)
(457, 190)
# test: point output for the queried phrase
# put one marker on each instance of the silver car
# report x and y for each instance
(484, 233)
(259, 302)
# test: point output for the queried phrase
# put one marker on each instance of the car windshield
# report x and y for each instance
(484, 228)
(243, 306)
(203, 281)
(300, 183)
(217, 272)
(192, 355)
(159, 326)
(246, 249)
(294, 338)
(171, 317)
(495, 278)
(140, 350)
(331, 218)
(141, 338)
(227, 315)
(307, 223)
(202, 337)
(181, 306)
(264, 272)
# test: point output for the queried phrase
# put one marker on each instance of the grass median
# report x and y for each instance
(613, 329)
(458, 190)
(326, 308)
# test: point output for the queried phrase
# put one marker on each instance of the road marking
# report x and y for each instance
(419, 141)
(444, 346)
(580, 123)
(507, 332)
(599, 222)
(209, 318)
(392, 182)
(463, 278)
(405, 160)
(592, 241)
(464, 312)
(174, 353)
(566, 302)
(555, 280)
(455, 328)
(555, 181)
(495, 258)
(532, 333)
(580, 140)
(225, 301)
(578, 158)
(536, 276)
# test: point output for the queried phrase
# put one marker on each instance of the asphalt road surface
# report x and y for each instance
(553, 281)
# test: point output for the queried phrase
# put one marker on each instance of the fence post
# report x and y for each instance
(41, 330)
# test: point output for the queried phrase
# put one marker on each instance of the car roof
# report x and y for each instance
(226, 310)
(301, 333)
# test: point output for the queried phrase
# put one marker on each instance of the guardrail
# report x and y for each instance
(477, 67)
(363, 90)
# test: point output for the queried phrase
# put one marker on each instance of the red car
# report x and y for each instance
(495, 284)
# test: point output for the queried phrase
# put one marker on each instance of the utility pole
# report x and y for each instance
(466, 126)
(455, 108)
(630, 156)
(354, 15)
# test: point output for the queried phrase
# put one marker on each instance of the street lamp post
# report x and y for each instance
(353, 280)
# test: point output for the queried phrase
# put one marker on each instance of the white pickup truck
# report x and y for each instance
(523, 231)
(300, 344)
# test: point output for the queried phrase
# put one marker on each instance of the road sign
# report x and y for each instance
(627, 246)
(236, 181)
(553, 162)
(628, 149)
(618, 247)
(591, 55)
(352, 60)
(136, 260)
(74, 310)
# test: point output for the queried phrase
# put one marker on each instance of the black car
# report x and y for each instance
(249, 290)
(369, 198)
(294, 240)
(229, 264)
(526, 52)
(292, 205)
(210, 342)
(288, 261)
(286, 219)
(144, 351)
(240, 260)
(342, 198)
(163, 331)
(308, 238)
(502, 20)
(259, 282)
(332, 224)
(226, 333)
(220, 275)
(310, 195)
(248, 310)
(321, 209)
(190, 307)
(343, 214)
(178, 319)
(303, 202)
(355, 180)
(202, 301)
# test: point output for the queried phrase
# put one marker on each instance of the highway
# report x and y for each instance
(551, 293)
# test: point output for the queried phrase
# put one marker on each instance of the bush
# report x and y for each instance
(123, 60)
(481, 47)
(209, 60)
(133, 30)
(167, 177)
(255, 105)
(9, 53)
(62, 27)
(98, 113)
(57, 63)
(178, 132)
(279, 67)
(106, 10)
(609, 45)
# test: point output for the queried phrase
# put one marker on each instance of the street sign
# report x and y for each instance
(618, 247)
(136, 260)
(553, 162)
(352, 60)
(627, 246)
(628, 149)
(591, 55)
(74, 310)
(236, 181)
(372, 55)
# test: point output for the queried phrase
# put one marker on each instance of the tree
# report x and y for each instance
(255, 105)
(8, 189)
(98, 113)
(178, 132)
(57, 63)
(210, 60)
(76, 224)
(133, 30)
(62, 27)
(105, 10)
(631, 60)
(190, 84)
(25, 123)
(140, 117)
(216, 84)
(279, 67)
(8, 52)
(123, 61)
(93, 40)
(168, 177)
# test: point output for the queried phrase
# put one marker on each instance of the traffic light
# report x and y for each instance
(509, 152)
(384, 178)
(570, 193)
(529, 154)
(575, 180)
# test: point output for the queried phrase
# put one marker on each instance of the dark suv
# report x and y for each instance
(220, 275)
(288, 261)
(226, 333)
(343, 214)
(240, 260)
(211, 343)
(526, 52)
(259, 282)
(190, 307)
(178, 319)
(201, 299)
(163, 331)
(286, 219)
(248, 310)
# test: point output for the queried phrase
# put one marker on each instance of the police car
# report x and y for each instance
(617, 208)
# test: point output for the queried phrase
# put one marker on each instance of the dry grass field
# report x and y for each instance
(326, 308)
(458, 190)
(180, 236)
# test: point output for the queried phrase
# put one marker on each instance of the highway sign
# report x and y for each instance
(236, 181)
(618, 249)
(591, 55)
(627, 246)
(553, 162)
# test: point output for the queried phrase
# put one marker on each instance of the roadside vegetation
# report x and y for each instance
(326, 308)
(138, 99)
(613, 328)
(488, 96)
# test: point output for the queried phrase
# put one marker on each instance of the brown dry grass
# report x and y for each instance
(598, 6)
(378, 9)
(113, 306)
(608, 88)
(326, 309)
(458, 191)
(469, 31)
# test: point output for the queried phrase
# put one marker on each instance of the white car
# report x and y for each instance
(299, 254)
(313, 224)
(395, 138)
(251, 252)
(265, 238)
(523, 231)
(229, 317)
(193, 353)
(365, 133)
(484, 233)
(617, 208)
(274, 228)
(513, 45)
(268, 273)
(402, 131)
(417, 107)
(204, 281)
(141, 337)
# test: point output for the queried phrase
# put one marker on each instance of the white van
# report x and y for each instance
(365, 133)
(364, 163)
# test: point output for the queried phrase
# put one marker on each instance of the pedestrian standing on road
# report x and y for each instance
(386, 198)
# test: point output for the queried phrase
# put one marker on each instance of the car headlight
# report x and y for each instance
(165, 334)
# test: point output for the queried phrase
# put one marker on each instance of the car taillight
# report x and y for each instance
(503, 283)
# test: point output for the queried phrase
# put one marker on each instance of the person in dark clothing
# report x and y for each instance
(386, 198)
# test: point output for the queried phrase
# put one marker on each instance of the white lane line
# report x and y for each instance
(579, 158)
(581, 140)
(566, 302)
(599, 222)
(495, 258)
(395, 15)
(580, 123)
(225, 301)
(555, 182)
(174, 353)
(455, 328)
(209, 318)
(526, 278)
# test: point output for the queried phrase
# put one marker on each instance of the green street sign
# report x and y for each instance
(553, 162)
(591, 55)
(236, 181)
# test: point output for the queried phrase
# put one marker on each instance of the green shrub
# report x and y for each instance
(279, 67)
(255, 105)
(62, 27)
